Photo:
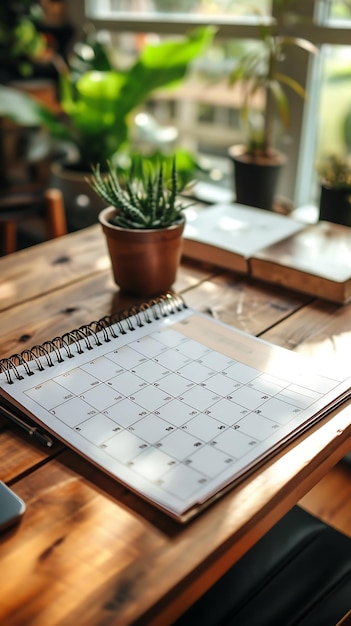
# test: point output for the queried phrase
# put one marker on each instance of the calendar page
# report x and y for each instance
(176, 409)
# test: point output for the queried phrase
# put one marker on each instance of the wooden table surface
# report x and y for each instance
(90, 552)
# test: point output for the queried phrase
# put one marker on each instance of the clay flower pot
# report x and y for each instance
(144, 262)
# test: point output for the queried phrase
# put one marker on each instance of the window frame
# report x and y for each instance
(296, 179)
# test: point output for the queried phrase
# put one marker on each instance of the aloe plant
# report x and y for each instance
(143, 201)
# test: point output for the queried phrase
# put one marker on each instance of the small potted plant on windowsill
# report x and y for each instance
(257, 162)
(335, 189)
(143, 224)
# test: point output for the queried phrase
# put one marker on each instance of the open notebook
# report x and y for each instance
(172, 403)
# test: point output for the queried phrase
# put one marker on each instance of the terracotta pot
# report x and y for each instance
(335, 205)
(256, 178)
(144, 262)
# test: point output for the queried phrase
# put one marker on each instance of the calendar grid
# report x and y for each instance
(168, 414)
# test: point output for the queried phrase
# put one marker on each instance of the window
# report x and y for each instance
(212, 123)
(327, 110)
(213, 8)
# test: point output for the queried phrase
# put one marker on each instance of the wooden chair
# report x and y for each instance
(15, 208)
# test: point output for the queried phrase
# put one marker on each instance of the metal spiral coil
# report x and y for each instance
(110, 327)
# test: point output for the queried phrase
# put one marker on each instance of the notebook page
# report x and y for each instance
(176, 409)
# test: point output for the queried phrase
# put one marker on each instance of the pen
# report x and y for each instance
(32, 431)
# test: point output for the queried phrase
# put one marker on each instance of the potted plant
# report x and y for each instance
(335, 189)
(143, 224)
(257, 163)
(98, 106)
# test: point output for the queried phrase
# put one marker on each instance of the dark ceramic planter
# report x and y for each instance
(82, 204)
(256, 179)
(335, 205)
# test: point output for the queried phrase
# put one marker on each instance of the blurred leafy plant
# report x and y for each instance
(97, 105)
(20, 41)
(335, 171)
(258, 72)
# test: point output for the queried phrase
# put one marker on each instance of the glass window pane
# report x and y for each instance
(221, 8)
(340, 13)
(203, 108)
(334, 132)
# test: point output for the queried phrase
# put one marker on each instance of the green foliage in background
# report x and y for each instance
(259, 71)
(20, 41)
(98, 104)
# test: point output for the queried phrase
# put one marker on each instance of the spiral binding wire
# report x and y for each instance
(124, 321)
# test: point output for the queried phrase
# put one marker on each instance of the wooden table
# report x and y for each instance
(90, 552)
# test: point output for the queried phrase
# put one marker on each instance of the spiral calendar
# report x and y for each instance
(175, 405)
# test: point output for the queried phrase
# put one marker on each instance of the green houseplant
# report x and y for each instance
(97, 104)
(20, 40)
(98, 107)
(143, 224)
(334, 172)
(259, 73)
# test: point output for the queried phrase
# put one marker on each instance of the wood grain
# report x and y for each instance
(330, 499)
(47, 267)
(50, 266)
(243, 303)
(36, 320)
(321, 331)
(19, 453)
(89, 547)
(88, 542)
